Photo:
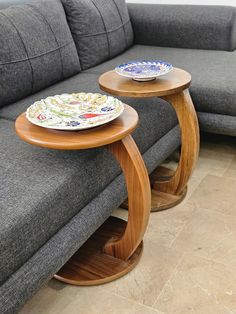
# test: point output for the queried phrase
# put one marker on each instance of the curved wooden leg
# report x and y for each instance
(116, 247)
(171, 191)
(139, 193)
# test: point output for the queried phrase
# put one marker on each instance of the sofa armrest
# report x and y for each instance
(184, 26)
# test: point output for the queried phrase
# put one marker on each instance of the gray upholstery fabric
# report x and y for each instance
(184, 26)
(57, 250)
(101, 29)
(58, 183)
(40, 190)
(81, 82)
(213, 87)
(151, 111)
(37, 49)
(217, 123)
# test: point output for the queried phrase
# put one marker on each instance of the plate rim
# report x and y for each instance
(75, 128)
(117, 68)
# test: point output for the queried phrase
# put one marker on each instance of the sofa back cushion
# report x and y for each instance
(37, 49)
(210, 27)
(101, 29)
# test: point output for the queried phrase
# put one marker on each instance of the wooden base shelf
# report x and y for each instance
(162, 201)
(91, 266)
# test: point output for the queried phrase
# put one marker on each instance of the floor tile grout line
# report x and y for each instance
(214, 211)
(171, 276)
(228, 169)
(175, 272)
(187, 222)
(183, 227)
(169, 247)
(138, 303)
(206, 258)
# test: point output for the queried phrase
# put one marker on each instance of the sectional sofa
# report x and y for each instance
(52, 201)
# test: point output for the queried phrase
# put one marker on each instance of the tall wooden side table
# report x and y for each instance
(169, 188)
(115, 248)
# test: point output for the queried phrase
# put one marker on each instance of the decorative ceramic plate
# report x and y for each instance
(144, 70)
(74, 111)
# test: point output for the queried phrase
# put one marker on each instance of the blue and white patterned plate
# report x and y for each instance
(144, 70)
(76, 111)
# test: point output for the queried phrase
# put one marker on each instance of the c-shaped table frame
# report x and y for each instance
(168, 187)
(115, 248)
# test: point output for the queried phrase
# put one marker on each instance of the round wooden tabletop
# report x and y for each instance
(74, 140)
(174, 82)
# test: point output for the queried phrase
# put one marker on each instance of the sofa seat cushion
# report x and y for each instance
(153, 111)
(101, 29)
(37, 49)
(213, 86)
(41, 189)
(80, 82)
(217, 123)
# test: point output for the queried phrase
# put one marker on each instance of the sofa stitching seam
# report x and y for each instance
(104, 25)
(126, 43)
(107, 31)
(27, 55)
(54, 35)
(37, 56)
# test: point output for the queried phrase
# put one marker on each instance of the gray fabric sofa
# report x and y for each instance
(52, 201)
(199, 39)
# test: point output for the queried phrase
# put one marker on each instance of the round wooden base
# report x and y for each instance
(162, 201)
(90, 266)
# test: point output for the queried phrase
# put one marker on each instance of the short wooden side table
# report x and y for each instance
(115, 248)
(168, 188)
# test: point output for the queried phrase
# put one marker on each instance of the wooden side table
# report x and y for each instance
(169, 188)
(115, 248)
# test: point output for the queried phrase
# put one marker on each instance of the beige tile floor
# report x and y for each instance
(189, 260)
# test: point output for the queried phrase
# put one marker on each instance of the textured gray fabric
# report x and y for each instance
(80, 82)
(57, 250)
(40, 190)
(184, 26)
(58, 183)
(217, 123)
(37, 49)
(213, 87)
(101, 29)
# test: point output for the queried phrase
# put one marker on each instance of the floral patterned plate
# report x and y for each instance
(144, 70)
(74, 111)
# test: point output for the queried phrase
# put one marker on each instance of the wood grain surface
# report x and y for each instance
(190, 139)
(75, 140)
(91, 266)
(173, 88)
(174, 82)
(138, 187)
